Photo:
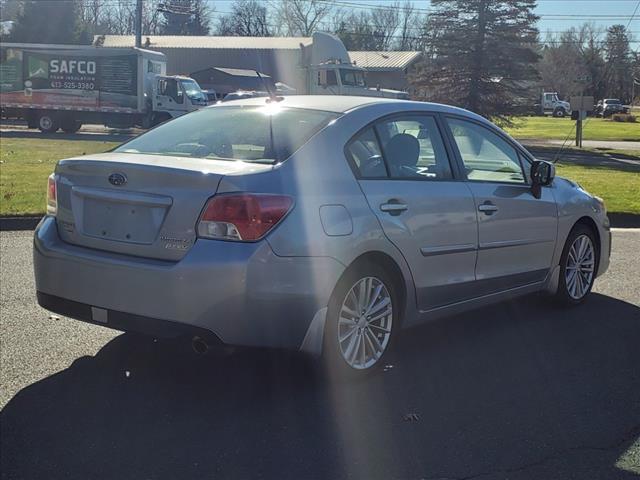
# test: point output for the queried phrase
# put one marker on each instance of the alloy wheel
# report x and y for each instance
(580, 267)
(365, 322)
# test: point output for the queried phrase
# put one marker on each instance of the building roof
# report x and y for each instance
(236, 72)
(206, 42)
(384, 61)
(374, 61)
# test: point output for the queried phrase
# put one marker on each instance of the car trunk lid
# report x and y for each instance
(138, 204)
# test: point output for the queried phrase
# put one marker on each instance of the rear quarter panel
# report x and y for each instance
(316, 176)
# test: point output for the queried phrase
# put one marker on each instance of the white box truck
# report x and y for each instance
(61, 87)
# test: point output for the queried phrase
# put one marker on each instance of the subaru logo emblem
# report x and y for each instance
(117, 179)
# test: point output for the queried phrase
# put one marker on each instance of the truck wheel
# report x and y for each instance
(47, 123)
(159, 118)
(71, 126)
(559, 112)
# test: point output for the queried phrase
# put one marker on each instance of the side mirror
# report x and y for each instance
(322, 77)
(542, 175)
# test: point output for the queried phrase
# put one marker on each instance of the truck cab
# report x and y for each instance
(337, 78)
(551, 104)
(174, 96)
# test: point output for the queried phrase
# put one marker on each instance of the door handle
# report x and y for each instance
(488, 208)
(394, 208)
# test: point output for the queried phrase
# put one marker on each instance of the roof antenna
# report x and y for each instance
(272, 95)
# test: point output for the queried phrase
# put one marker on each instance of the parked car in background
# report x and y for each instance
(242, 94)
(211, 96)
(609, 106)
(324, 224)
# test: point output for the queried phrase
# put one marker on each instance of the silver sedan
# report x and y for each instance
(323, 224)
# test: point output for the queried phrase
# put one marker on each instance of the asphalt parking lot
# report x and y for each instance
(519, 390)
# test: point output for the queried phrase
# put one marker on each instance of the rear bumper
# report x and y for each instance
(122, 320)
(242, 293)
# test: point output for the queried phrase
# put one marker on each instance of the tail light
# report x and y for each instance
(52, 195)
(244, 217)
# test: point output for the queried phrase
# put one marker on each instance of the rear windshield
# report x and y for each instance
(262, 134)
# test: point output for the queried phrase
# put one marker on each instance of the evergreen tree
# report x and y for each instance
(619, 63)
(186, 17)
(53, 21)
(480, 55)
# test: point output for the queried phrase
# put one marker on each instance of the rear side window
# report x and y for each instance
(413, 148)
(264, 134)
(408, 147)
(366, 156)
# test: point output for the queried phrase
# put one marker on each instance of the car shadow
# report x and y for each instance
(518, 390)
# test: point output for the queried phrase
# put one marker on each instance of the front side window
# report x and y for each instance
(413, 148)
(263, 134)
(486, 156)
(352, 78)
(169, 87)
(328, 76)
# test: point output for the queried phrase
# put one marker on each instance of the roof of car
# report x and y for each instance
(345, 103)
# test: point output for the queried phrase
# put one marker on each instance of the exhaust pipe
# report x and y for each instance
(199, 345)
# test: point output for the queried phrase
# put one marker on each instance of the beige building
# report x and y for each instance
(188, 54)
(387, 69)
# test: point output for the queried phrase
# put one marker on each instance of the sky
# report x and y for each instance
(579, 11)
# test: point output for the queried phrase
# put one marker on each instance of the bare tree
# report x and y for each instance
(356, 30)
(301, 17)
(562, 63)
(385, 22)
(248, 18)
(411, 28)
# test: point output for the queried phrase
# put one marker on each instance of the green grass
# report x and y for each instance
(26, 164)
(620, 189)
(549, 128)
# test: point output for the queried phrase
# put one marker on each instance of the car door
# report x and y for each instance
(170, 97)
(403, 168)
(516, 231)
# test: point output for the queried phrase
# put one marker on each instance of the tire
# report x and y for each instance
(47, 123)
(159, 118)
(71, 126)
(367, 343)
(559, 113)
(574, 292)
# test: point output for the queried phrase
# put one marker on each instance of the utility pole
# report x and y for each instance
(138, 23)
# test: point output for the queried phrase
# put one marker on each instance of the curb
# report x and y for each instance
(18, 223)
(617, 220)
(624, 220)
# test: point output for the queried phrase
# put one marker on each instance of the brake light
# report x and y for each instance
(244, 217)
(52, 195)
